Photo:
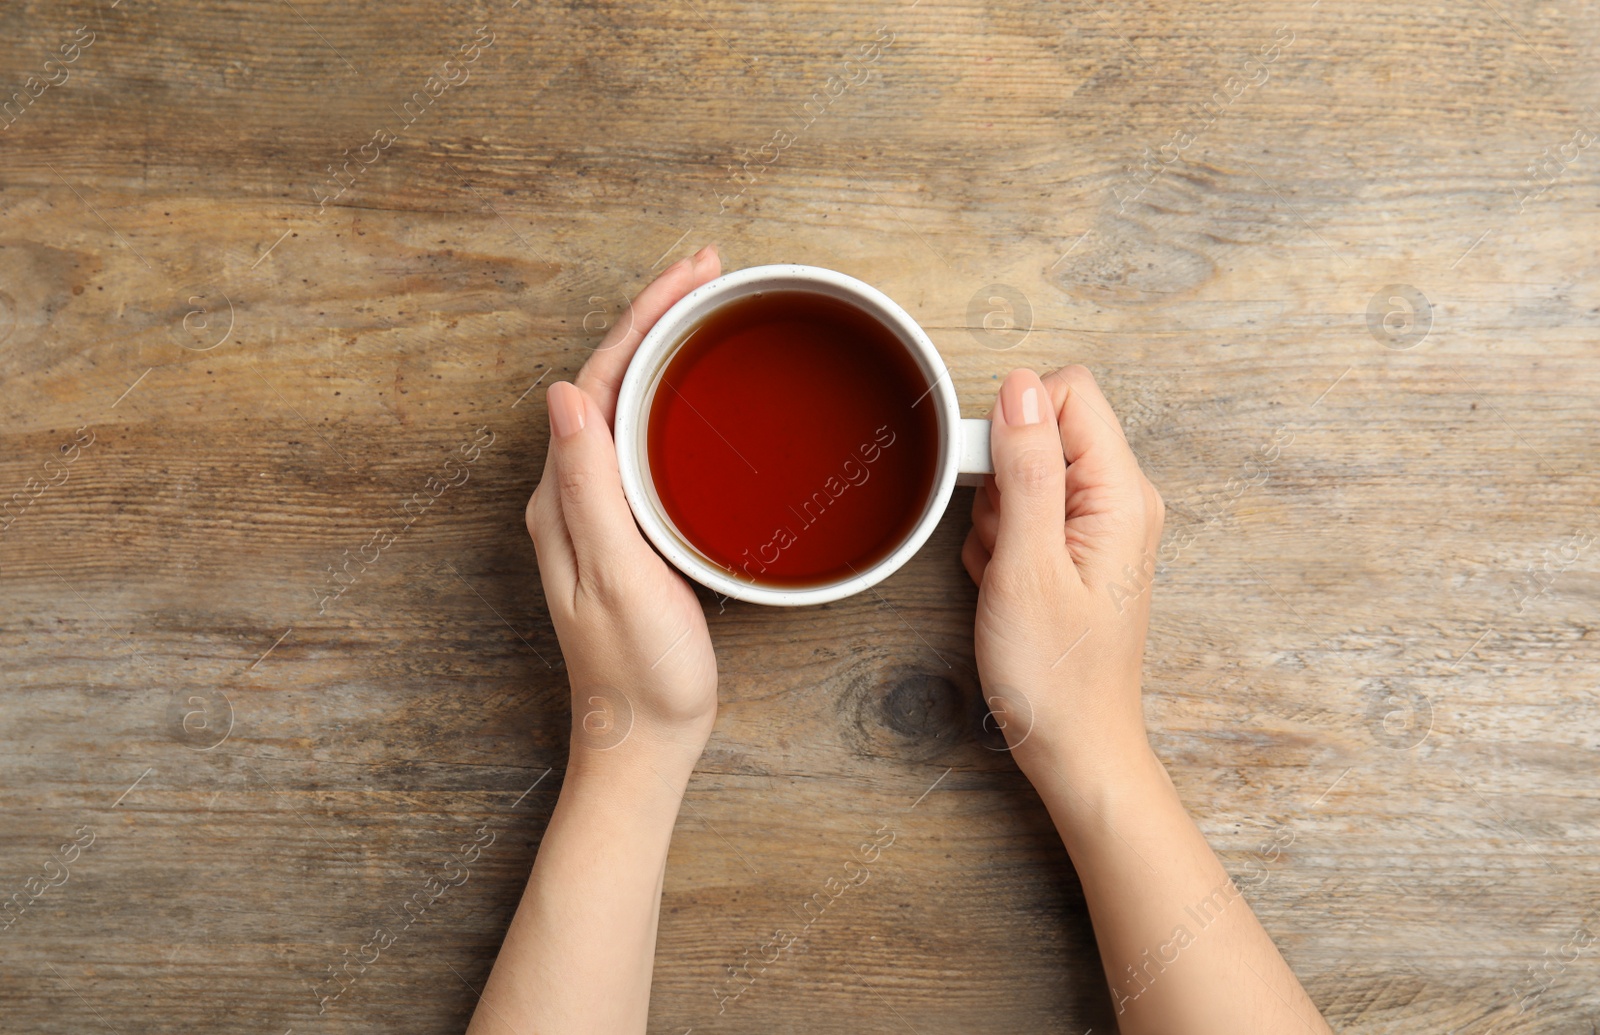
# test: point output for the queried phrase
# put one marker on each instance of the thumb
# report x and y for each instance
(589, 486)
(1029, 469)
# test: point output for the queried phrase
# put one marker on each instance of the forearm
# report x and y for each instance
(1182, 949)
(580, 949)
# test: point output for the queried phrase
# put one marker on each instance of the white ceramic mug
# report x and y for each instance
(963, 444)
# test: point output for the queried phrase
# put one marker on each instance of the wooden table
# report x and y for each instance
(266, 694)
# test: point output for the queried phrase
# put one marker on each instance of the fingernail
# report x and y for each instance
(1019, 404)
(565, 405)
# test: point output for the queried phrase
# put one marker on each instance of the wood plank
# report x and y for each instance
(1349, 653)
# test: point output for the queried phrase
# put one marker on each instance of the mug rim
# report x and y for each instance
(647, 361)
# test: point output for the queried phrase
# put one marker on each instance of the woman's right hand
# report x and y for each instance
(1063, 545)
(632, 631)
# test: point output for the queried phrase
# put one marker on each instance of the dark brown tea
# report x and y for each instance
(793, 440)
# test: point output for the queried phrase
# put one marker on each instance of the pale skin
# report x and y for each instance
(1059, 534)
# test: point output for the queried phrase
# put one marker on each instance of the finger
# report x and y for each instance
(1155, 518)
(601, 376)
(974, 557)
(1106, 491)
(594, 510)
(1091, 437)
(1029, 470)
(990, 489)
(552, 546)
(985, 520)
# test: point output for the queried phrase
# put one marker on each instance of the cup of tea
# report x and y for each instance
(788, 435)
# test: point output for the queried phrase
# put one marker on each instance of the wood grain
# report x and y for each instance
(1381, 652)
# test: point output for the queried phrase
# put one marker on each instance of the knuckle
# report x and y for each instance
(987, 528)
(533, 513)
(970, 555)
(1128, 522)
(608, 585)
(1077, 374)
(1028, 579)
(1034, 470)
(575, 483)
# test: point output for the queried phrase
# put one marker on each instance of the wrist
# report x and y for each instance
(640, 761)
(1086, 793)
(1087, 750)
(672, 762)
(607, 725)
(638, 790)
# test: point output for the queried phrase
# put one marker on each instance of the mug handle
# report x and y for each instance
(972, 451)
